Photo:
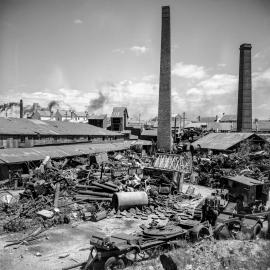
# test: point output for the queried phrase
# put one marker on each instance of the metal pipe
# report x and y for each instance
(111, 185)
(99, 194)
(125, 200)
(92, 198)
(89, 187)
(108, 188)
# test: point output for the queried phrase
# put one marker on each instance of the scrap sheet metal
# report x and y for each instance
(180, 163)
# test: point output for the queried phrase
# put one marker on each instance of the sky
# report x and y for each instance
(97, 54)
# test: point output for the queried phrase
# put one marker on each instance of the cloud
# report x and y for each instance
(219, 84)
(222, 65)
(77, 21)
(189, 71)
(121, 51)
(209, 96)
(139, 49)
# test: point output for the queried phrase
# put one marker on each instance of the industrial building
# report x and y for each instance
(20, 132)
(227, 141)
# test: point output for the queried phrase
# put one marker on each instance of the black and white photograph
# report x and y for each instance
(135, 134)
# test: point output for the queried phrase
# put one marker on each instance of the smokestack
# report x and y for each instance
(244, 110)
(164, 137)
(21, 108)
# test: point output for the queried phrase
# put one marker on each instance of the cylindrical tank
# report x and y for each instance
(126, 200)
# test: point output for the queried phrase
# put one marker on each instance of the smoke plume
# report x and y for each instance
(97, 103)
(52, 104)
(5, 106)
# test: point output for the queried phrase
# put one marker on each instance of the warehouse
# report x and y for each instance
(20, 132)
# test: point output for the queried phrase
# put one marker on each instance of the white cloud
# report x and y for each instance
(262, 76)
(121, 51)
(139, 49)
(193, 91)
(222, 65)
(189, 71)
(78, 21)
(219, 84)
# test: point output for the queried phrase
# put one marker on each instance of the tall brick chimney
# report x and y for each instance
(21, 108)
(244, 110)
(164, 137)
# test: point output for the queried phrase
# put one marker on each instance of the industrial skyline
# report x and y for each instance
(95, 50)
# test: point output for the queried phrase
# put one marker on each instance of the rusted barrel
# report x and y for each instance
(126, 200)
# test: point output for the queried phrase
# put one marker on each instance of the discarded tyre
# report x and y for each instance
(114, 263)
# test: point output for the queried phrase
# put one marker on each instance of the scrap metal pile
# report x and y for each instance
(211, 168)
(58, 192)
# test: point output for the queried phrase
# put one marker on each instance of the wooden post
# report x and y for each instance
(56, 195)
(180, 181)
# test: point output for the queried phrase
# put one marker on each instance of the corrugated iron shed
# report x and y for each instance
(22, 126)
(222, 141)
(119, 112)
(244, 180)
(19, 155)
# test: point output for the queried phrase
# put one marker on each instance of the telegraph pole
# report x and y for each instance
(184, 118)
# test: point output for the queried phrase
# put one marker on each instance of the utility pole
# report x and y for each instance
(184, 118)
(175, 129)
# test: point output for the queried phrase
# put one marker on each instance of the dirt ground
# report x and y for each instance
(72, 240)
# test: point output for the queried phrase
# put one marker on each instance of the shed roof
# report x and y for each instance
(19, 155)
(44, 113)
(261, 125)
(207, 119)
(119, 112)
(244, 180)
(222, 141)
(228, 118)
(265, 136)
(149, 132)
(195, 125)
(221, 126)
(97, 117)
(22, 126)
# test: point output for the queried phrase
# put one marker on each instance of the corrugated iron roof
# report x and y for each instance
(261, 125)
(228, 118)
(244, 180)
(265, 137)
(149, 132)
(218, 126)
(221, 141)
(97, 117)
(19, 155)
(141, 142)
(44, 113)
(22, 126)
(119, 112)
(195, 125)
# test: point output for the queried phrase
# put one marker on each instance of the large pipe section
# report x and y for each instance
(126, 200)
